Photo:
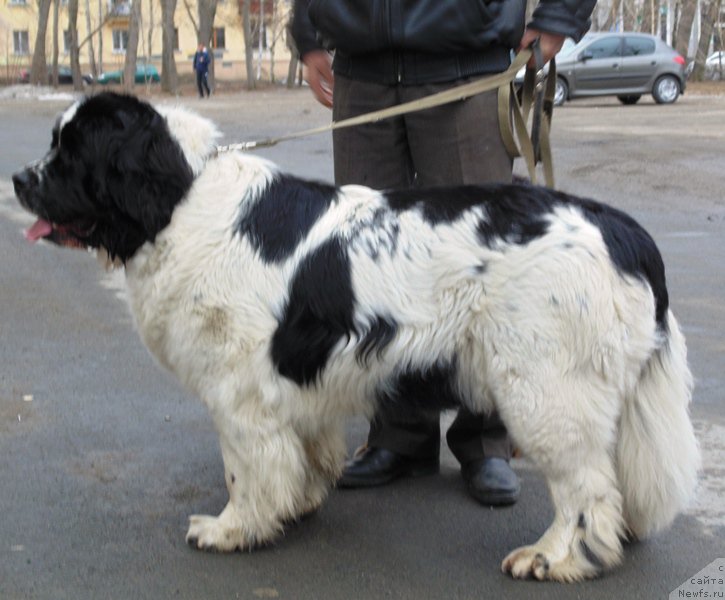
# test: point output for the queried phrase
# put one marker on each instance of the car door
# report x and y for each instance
(639, 63)
(597, 66)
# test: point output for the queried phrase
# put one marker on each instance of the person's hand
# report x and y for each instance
(318, 73)
(549, 43)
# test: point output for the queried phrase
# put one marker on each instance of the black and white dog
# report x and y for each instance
(288, 305)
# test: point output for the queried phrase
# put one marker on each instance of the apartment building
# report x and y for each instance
(103, 34)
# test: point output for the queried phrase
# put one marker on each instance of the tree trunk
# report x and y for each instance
(39, 67)
(56, 48)
(293, 61)
(207, 13)
(100, 39)
(647, 23)
(711, 10)
(169, 77)
(612, 17)
(91, 52)
(129, 67)
(684, 26)
(629, 15)
(248, 49)
(75, 63)
(150, 43)
(273, 45)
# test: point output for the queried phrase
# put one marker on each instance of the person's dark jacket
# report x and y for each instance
(423, 41)
(201, 61)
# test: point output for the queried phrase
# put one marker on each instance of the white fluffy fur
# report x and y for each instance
(585, 385)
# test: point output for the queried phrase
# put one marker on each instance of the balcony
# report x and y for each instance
(119, 11)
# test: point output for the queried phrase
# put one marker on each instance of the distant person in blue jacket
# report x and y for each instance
(201, 66)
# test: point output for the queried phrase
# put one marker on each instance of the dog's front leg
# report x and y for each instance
(265, 470)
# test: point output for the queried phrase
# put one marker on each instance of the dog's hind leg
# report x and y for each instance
(568, 429)
(265, 467)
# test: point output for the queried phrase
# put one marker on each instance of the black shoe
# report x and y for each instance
(491, 481)
(378, 466)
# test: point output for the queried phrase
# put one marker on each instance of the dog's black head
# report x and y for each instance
(111, 179)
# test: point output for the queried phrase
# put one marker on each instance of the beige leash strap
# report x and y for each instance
(509, 108)
(537, 102)
(460, 92)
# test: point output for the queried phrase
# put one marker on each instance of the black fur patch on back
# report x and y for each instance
(318, 314)
(517, 214)
(511, 214)
(282, 216)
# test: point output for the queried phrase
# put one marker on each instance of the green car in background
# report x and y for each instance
(144, 72)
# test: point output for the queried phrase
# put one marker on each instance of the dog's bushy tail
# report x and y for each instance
(657, 454)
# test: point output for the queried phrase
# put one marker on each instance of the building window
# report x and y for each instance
(21, 44)
(18, 2)
(176, 38)
(218, 38)
(66, 41)
(120, 40)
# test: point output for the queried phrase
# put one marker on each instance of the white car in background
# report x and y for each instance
(715, 65)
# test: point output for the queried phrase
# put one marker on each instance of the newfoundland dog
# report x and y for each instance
(288, 305)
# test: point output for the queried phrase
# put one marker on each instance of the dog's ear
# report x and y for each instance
(149, 173)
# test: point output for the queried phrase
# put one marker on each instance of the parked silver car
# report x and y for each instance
(626, 65)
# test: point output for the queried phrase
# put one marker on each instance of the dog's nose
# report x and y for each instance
(22, 180)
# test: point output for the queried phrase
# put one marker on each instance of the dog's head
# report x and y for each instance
(115, 170)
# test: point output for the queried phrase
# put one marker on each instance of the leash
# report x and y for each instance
(534, 147)
(536, 99)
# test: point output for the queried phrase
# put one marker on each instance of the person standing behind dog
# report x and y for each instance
(201, 66)
(384, 58)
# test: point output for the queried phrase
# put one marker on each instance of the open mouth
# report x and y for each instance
(70, 236)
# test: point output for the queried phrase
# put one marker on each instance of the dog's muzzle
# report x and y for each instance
(23, 182)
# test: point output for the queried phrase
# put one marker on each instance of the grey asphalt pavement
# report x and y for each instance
(103, 455)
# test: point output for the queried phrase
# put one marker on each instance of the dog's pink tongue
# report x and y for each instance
(39, 230)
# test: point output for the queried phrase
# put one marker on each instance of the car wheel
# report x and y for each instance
(632, 99)
(666, 90)
(561, 92)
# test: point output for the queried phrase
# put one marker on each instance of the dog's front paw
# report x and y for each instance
(534, 561)
(214, 534)
(525, 562)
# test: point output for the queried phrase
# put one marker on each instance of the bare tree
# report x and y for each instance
(75, 63)
(169, 76)
(150, 42)
(613, 16)
(274, 36)
(684, 26)
(207, 13)
(649, 10)
(129, 66)
(39, 67)
(629, 15)
(100, 38)
(203, 24)
(91, 52)
(56, 47)
(248, 49)
(710, 12)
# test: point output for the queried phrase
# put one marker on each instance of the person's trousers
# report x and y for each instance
(202, 83)
(454, 144)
